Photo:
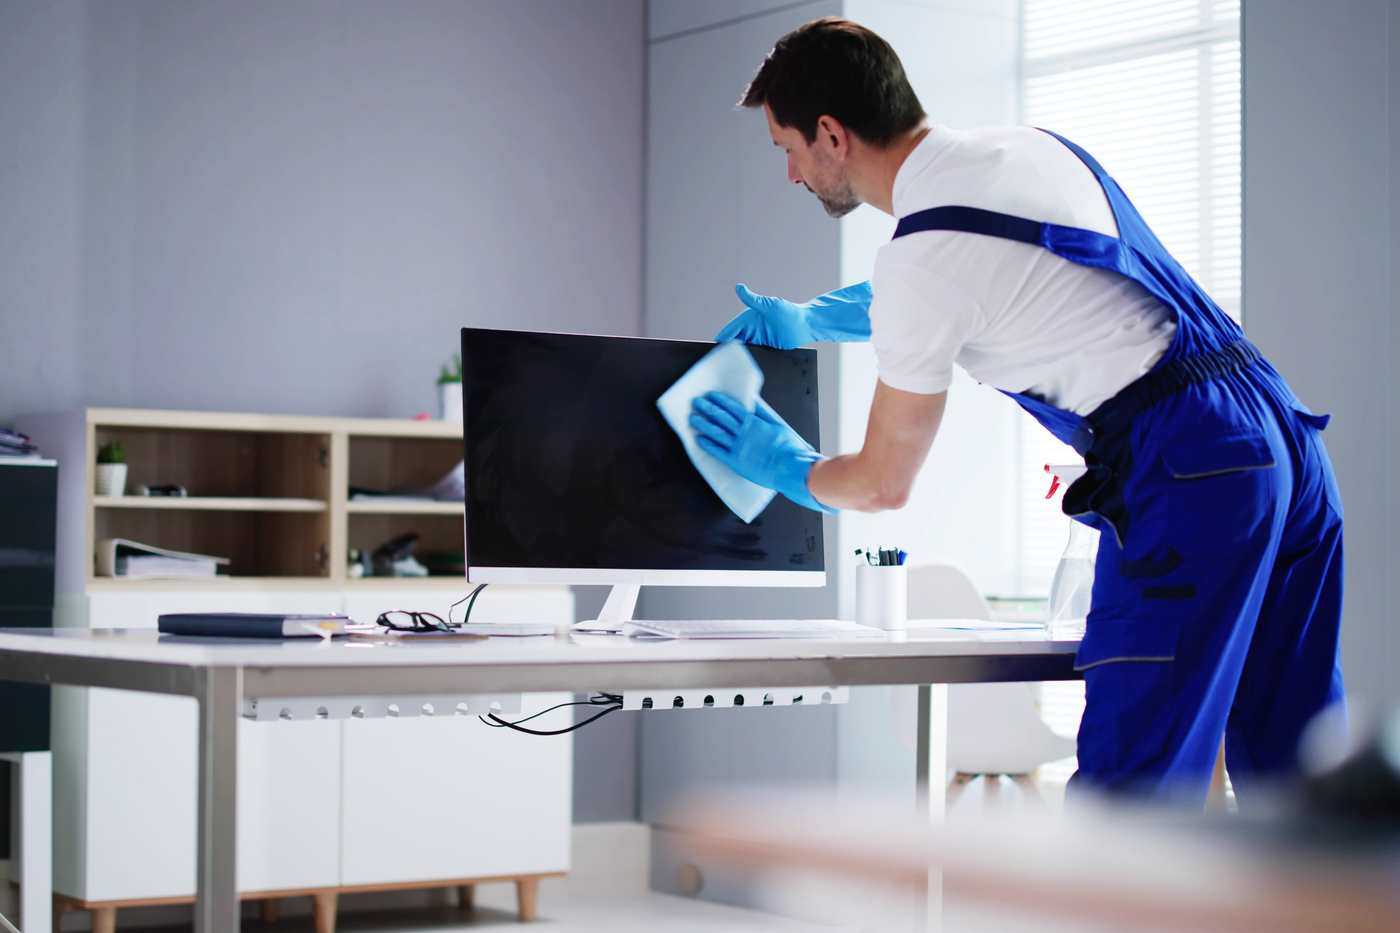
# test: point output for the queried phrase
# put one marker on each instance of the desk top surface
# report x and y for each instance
(922, 640)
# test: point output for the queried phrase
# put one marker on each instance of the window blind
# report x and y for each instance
(1152, 89)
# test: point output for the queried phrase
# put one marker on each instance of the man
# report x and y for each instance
(1218, 586)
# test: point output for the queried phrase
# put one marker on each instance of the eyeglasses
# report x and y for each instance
(401, 620)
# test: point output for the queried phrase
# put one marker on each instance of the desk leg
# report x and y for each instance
(931, 771)
(216, 877)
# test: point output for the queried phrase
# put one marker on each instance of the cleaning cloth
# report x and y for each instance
(728, 368)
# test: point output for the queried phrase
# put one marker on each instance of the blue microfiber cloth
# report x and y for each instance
(728, 368)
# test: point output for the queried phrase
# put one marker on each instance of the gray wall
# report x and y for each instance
(720, 210)
(1320, 188)
(293, 206)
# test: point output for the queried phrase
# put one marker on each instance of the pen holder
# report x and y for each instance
(882, 596)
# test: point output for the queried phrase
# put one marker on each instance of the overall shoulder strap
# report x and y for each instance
(994, 223)
(1088, 160)
(971, 220)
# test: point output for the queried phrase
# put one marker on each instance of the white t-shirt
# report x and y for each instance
(1014, 315)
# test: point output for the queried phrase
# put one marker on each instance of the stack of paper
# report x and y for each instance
(118, 557)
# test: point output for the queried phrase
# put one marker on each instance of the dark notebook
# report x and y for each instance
(251, 624)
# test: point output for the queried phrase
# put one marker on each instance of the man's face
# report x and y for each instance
(815, 166)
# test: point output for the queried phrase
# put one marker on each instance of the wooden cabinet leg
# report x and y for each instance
(956, 787)
(269, 910)
(59, 906)
(323, 911)
(1028, 788)
(104, 920)
(466, 897)
(527, 896)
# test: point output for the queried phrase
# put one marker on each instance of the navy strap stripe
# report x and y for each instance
(1089, 161)
(971, 220)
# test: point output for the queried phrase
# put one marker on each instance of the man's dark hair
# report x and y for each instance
(837, 67)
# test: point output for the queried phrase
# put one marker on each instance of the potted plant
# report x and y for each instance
(111, 469)
(449, 384)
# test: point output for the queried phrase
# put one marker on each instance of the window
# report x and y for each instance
(1152, 89)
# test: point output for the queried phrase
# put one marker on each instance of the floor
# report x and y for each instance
(560, 912)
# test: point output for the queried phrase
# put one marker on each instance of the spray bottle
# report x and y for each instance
(1072, 587)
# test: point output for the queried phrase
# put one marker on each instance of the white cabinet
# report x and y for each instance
(125, 777)
(321, 804)
(288, 805)
(475, 801)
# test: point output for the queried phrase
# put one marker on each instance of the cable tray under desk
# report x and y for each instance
(734, 697)
(301, 709)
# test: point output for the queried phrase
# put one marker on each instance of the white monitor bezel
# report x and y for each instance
(611, 577)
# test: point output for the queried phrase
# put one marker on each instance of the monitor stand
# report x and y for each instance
(616, 612)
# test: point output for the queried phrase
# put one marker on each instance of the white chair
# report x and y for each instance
(993, 729)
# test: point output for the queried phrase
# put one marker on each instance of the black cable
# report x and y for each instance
(577, 725)
(466, 616)
(470, 596)
(588, 702)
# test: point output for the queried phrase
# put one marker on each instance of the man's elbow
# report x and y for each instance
(887, 497)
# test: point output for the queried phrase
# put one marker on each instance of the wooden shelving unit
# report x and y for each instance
(270, 492)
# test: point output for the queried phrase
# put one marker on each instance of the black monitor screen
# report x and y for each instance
(570, 465)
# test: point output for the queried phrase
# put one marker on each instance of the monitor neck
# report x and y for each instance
(621, 604)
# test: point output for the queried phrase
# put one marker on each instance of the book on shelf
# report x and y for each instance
(120, 557)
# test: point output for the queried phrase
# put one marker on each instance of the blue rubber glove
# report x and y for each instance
(842, 315)
(758, 445)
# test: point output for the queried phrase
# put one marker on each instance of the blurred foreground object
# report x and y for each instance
(1324, 856)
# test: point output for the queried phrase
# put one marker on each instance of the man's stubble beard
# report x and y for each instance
(838, 203)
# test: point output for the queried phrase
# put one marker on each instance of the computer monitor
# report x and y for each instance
(573, 476)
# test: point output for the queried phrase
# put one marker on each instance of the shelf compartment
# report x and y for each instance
(210, 503)
(401, 463)
(225, 464)
(257, 543)
(437, 533)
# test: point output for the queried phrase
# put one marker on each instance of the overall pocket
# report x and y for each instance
(1317, 465)
(1192, 508)
(1217, 456)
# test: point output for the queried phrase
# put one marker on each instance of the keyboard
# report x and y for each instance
(750, 628)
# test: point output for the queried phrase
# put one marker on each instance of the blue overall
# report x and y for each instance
(1218, 585)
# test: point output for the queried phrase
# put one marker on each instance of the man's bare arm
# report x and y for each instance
(897, 440)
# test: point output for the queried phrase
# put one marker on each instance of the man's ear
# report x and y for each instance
(832, 136)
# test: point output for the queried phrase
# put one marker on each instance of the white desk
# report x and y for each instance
(221, 673)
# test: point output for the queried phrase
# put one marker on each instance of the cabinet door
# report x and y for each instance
(431, 798)
(141, 767)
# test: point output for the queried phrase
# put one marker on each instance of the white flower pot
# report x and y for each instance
(450, 401)
(111, 479)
